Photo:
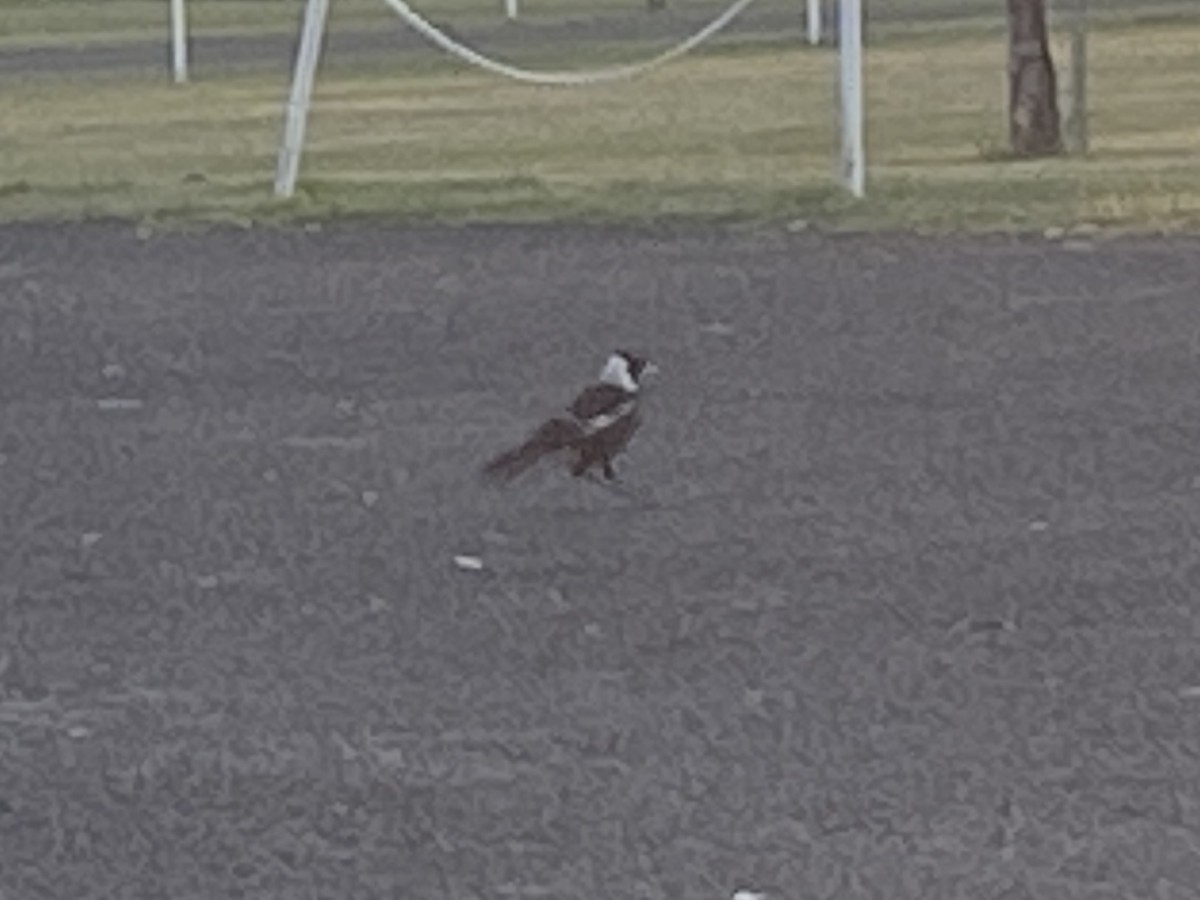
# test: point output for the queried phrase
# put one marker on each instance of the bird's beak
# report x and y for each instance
(651, 369)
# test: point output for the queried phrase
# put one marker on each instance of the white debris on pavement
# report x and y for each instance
(470, 563)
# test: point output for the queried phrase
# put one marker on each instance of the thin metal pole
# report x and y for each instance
(307, 56)
(854, 166)
(813, 20)
(1077, 117)
(179, 41)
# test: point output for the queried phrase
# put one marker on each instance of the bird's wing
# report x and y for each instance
(599, 400)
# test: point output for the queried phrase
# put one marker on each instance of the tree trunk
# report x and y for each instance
(1033, 118)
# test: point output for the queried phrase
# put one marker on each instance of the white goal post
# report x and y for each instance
(854, 159)
(179, 41)
(307, 55)
(812, 20)
(850, 80)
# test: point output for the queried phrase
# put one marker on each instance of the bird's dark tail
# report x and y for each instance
(554, 435)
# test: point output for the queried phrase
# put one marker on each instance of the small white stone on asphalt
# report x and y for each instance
(118, 403)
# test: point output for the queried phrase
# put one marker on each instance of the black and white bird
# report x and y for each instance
(597, 427)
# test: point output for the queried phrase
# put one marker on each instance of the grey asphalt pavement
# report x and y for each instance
(899, 601)
(218, 53)
(771, 17)
(213, 53)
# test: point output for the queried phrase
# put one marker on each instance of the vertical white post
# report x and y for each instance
(307, 56)
(179, 41)
(854, 164)
(813, 20)
(510, 8)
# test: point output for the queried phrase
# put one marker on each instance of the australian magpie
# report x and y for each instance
(599, 424)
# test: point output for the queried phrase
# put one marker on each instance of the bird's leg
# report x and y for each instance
(621, 489)
(609, 479)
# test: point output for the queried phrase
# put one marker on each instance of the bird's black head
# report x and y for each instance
(637, 365)
(625, 370)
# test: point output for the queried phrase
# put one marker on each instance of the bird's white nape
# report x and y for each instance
(616, 372)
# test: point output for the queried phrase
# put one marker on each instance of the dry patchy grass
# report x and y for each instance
(746, 133)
